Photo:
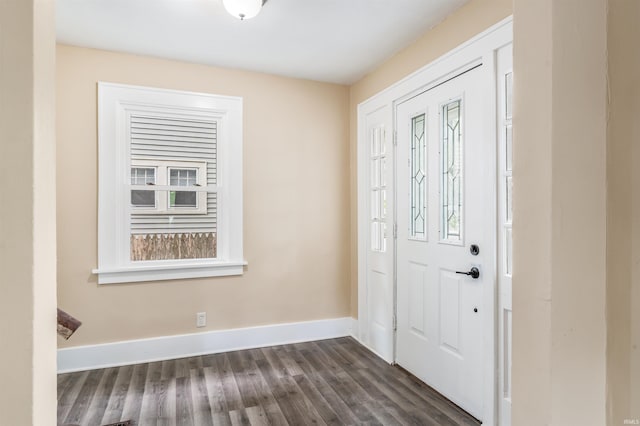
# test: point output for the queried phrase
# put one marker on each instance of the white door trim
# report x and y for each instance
(478, 50)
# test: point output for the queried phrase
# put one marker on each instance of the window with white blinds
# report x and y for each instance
(178, 211)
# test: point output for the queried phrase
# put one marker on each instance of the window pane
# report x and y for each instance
(143, 175)
(183, 177)
(375, 141)
(183, 224)
(383, 204)
(418, 158)
(143, 199)
(173, 245)
(509, 146)
(375, 236)
(383, 172)
(375, 172)
(183, 199)
(375, 204)
(508, 236)
(451, 156)
(508, 83)
(509, 198)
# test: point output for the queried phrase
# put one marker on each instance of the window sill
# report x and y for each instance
(169, 272)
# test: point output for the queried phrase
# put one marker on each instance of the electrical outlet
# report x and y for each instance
(201, 319)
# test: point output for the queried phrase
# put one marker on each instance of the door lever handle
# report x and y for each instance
(473, 273)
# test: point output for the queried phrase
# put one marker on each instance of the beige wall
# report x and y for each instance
(473, 18)
(531, 313)
(623, 213)
(27, 214)
(578, 214)
(576, 204)
(296, 204)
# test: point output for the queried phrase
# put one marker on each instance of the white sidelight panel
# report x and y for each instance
(504, 80)
(377, 299)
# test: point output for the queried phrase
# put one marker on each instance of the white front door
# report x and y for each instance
(443, 200)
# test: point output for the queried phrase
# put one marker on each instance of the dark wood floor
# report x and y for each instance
(335, 381)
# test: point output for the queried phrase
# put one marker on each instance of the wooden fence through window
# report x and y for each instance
(173, 246)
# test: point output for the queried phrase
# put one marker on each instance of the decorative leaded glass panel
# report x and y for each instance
(451, 156)
(418, 168)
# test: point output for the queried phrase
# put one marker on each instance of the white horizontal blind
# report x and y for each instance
(160, 138)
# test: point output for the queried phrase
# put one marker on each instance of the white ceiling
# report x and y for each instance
(336, 41)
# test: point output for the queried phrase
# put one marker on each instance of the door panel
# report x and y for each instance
(417, 292)
(440, 196)
(450, 311)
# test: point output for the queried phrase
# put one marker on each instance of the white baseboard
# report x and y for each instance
(355, 328)
(128, 352)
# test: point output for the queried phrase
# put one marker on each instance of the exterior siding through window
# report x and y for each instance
(175, 139)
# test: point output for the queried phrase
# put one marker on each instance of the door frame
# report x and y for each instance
(481, 49)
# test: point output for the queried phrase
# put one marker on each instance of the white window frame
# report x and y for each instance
(116, 104)
(162, 168)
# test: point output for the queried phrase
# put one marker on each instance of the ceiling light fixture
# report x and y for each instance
(243, 9)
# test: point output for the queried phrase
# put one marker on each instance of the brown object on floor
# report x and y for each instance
(335, 381)
(67, 325)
